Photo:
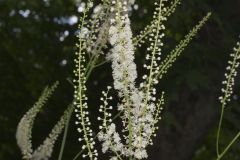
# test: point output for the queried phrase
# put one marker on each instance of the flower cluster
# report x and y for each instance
(122, 56)
(98, 25)
(24, 129)
(230, 75)
(108, 135)
(138, 113)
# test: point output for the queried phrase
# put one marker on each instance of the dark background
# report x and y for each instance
(32, 55)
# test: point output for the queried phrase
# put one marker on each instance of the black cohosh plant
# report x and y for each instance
(105, 35)
(227, 91)
(138, 105)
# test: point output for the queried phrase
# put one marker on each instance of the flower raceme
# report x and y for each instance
(227, 90)
(24, 129)
(230, 75)
(139, 105)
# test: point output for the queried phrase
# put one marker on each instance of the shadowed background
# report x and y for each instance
(37, 43)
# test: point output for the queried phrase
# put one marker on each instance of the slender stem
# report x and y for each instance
(228, 146)
(79, 153)
(89, 63)
(219, 130)
(65, 134)
(101, 63)
(92, 66)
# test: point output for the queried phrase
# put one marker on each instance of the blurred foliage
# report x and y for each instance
(37, 43)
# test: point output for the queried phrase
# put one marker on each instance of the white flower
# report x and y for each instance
(100, 136)
(113, 30)
(140, 154)
(97, 9)
(114, 158)
(111, 129)
(113, 39)
(105, 146)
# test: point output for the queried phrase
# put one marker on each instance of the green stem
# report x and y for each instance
(228, 146)
(101, 63)
(65, 134)
(89, 63)
(219, 130)
(92, 66)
